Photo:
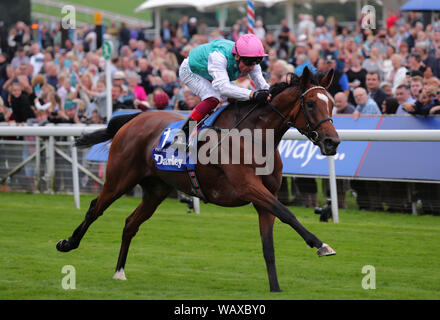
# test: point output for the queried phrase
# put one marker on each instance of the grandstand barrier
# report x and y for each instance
(70, 131)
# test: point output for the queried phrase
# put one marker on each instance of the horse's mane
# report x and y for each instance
(293, 80)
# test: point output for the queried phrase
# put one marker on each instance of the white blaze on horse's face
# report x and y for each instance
(324, 98)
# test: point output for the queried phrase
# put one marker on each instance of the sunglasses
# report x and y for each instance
(250, 61)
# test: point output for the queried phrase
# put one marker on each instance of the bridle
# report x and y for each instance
(311, 132)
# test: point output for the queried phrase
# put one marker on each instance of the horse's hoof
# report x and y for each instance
(325, 250)
(63, 246)
(119, 275)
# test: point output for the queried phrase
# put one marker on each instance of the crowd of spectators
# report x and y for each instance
(394, 69)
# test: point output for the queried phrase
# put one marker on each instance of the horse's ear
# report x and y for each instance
(305, 77)
(328, 79)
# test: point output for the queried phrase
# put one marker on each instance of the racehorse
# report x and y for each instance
(301, 102)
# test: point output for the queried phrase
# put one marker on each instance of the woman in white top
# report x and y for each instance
(398, 74)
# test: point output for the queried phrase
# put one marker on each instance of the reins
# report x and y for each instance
(311, 132)
(236, 125)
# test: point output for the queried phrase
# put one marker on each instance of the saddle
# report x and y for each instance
(167, 157)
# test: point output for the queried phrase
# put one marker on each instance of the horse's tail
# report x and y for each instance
(89, 139)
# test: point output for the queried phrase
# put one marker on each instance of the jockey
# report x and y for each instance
(210, 68)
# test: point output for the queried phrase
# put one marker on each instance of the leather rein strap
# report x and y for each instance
(311, 132)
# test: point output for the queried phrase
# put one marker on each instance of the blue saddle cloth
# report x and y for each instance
(168, 158)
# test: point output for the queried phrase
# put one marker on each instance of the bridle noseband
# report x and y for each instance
(311, 132)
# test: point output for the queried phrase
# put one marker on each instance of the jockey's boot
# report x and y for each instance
(182, 136)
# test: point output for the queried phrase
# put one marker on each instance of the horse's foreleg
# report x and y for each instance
(254, 191)
(266, 221)
(154, 192)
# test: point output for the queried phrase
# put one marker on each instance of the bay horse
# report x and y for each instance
(301, 102)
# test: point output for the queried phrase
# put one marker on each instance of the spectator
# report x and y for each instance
(161, 100)
(259, 30)
(397, 75)
(428, 60)
(135, 88)
(37, 58)
(390, 105)
(191, 99)
(20, 58)
(356, 75)
(3, 72)
(423, 105)
(118, 80)
(145, 70)
(340, 79)
(342, 105)
(95, 118)
(52, 102)
(391, 20)
(20, 104)
(192, 26)
(118, 100)
(98, 99)
(306, 26)
(416, 86)
(5, 113)
(374, 92)
(165, 31)
(415, 63)
(124, 35)
(183, 28)
(51, 72)
(373, 62)
(169, 82)
(302, 62)
(365, 105)
(381, 42)
(386, 87)
(403, 96)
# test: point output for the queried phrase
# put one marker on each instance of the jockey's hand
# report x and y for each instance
(260, 96)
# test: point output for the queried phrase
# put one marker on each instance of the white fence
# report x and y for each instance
(76, 130)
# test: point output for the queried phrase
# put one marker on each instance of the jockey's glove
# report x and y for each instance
(260, 96)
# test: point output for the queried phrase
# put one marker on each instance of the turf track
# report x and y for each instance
(214, 255)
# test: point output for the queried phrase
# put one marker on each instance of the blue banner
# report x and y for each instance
(392, 160)
(372, 160)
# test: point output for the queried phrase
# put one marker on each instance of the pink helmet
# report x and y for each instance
(248, 45)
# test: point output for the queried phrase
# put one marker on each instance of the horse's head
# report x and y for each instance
(312, 112)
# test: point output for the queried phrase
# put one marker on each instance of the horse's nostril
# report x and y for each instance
(331, 142)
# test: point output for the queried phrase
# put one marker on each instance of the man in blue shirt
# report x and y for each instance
(303, 61)
(365, 104)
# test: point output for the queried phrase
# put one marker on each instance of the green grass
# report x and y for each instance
(125, 8)
(214, 255)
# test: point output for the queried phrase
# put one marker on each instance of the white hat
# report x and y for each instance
(119, 75)
(302, 37)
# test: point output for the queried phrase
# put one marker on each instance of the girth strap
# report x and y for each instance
(195, 185)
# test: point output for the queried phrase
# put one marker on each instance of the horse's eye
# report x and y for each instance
(310, 104)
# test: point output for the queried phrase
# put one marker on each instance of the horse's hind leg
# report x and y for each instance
(266, 221)
(115, 186)
(154, 192)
